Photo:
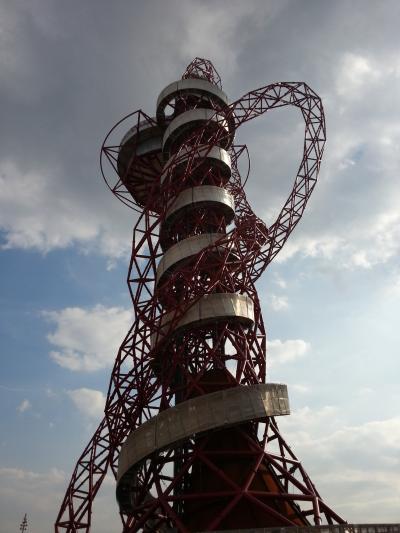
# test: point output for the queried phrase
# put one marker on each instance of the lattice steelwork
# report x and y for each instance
(189, 430)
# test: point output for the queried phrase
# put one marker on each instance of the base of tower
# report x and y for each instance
(337, 528)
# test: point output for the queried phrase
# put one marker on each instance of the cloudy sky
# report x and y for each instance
(331, 300)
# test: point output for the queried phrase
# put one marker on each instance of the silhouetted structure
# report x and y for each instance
(24, 524)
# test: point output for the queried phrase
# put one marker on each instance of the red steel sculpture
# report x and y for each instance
(189, 431)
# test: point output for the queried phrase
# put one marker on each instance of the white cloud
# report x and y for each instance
(87, 339)
(89, 401)
(279, 303)
(395, 287)
(40, 494)
(25, 405)
(279, 281)
(24, 486)
(53, 475)
(39, 211)
(356, 73)
(298, 387)
(352, 221)
(365, 391)
(280, 352)
(353, 467)
(375, 241)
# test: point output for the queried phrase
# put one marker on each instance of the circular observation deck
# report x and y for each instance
(208, 309)
(203, 157)
(140, 161)
(213, 411)
(213, 197)
(186, 123)
(194, 88)
(186, 249)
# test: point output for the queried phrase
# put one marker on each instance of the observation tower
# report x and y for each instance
(190, 429)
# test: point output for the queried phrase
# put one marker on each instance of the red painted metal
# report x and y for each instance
(241, 477)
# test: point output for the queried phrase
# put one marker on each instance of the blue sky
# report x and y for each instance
(331, 299)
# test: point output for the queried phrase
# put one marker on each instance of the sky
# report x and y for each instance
(331, 300)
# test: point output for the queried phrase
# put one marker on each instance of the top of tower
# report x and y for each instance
(204, 69)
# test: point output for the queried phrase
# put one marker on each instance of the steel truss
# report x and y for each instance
(254, 478)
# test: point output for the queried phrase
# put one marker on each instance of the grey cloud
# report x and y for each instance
(71, 70)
